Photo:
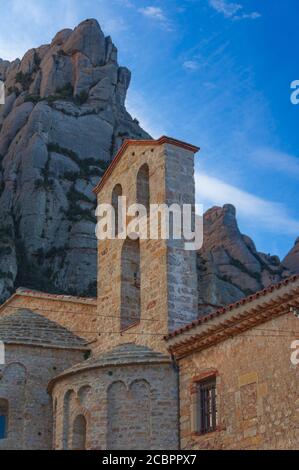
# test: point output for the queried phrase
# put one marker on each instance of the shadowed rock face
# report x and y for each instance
(63, 120)
(291, 261)
(229, 266)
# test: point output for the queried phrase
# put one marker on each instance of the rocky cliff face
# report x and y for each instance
(291, 261)
(63, 120)
(230, 267)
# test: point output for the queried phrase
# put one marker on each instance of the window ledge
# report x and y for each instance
(209, 433)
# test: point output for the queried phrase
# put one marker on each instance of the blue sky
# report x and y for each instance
(215, 73)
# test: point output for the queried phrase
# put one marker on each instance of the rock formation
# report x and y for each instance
(291, 261)
(63, 120)
(229, 266)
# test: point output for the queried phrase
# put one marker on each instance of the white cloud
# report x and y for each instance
(277, 161)
(153, 12)
(191, 64)
(232, 10)
(227, 9)
(157, 14)
(272, 216)
(251, 16)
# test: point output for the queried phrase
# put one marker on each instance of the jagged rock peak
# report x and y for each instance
(63, 121)
(88, 39)
(229, 266)
(291, 261)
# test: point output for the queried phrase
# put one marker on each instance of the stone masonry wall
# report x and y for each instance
(157, 258)
(23, 382)
(126, 407)
(257, 390)
(181, 263)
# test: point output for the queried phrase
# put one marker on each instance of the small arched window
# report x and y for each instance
(79, 433)
(130, 283)
(143, 187)
(3, 418)
(116, 193)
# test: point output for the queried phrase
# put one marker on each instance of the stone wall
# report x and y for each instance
(168, 281)
(181, 263)
(23, 382)
(257, 390)
(125, 407)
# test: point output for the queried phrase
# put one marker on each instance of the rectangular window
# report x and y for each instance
(206, 405)
(2, 427)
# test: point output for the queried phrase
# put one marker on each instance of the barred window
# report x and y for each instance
(207, 407)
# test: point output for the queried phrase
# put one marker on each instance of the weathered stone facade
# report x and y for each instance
(168, 284)
(35, 351)
(248, 351)
(128, 398)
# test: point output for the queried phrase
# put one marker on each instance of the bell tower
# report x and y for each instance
(147, 287)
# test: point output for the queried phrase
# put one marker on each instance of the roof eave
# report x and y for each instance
(220, 326)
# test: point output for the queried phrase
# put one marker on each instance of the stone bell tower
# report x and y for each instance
(146, 287)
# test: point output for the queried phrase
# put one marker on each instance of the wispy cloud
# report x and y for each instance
(158, 15)
(153, 12)
(251, 16)
(191, 65)
(272, 216)
(232, 10)
(277, 161)
(227, 9)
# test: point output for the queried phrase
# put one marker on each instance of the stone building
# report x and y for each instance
(140, 367)
(239, 388)
(36, 349)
